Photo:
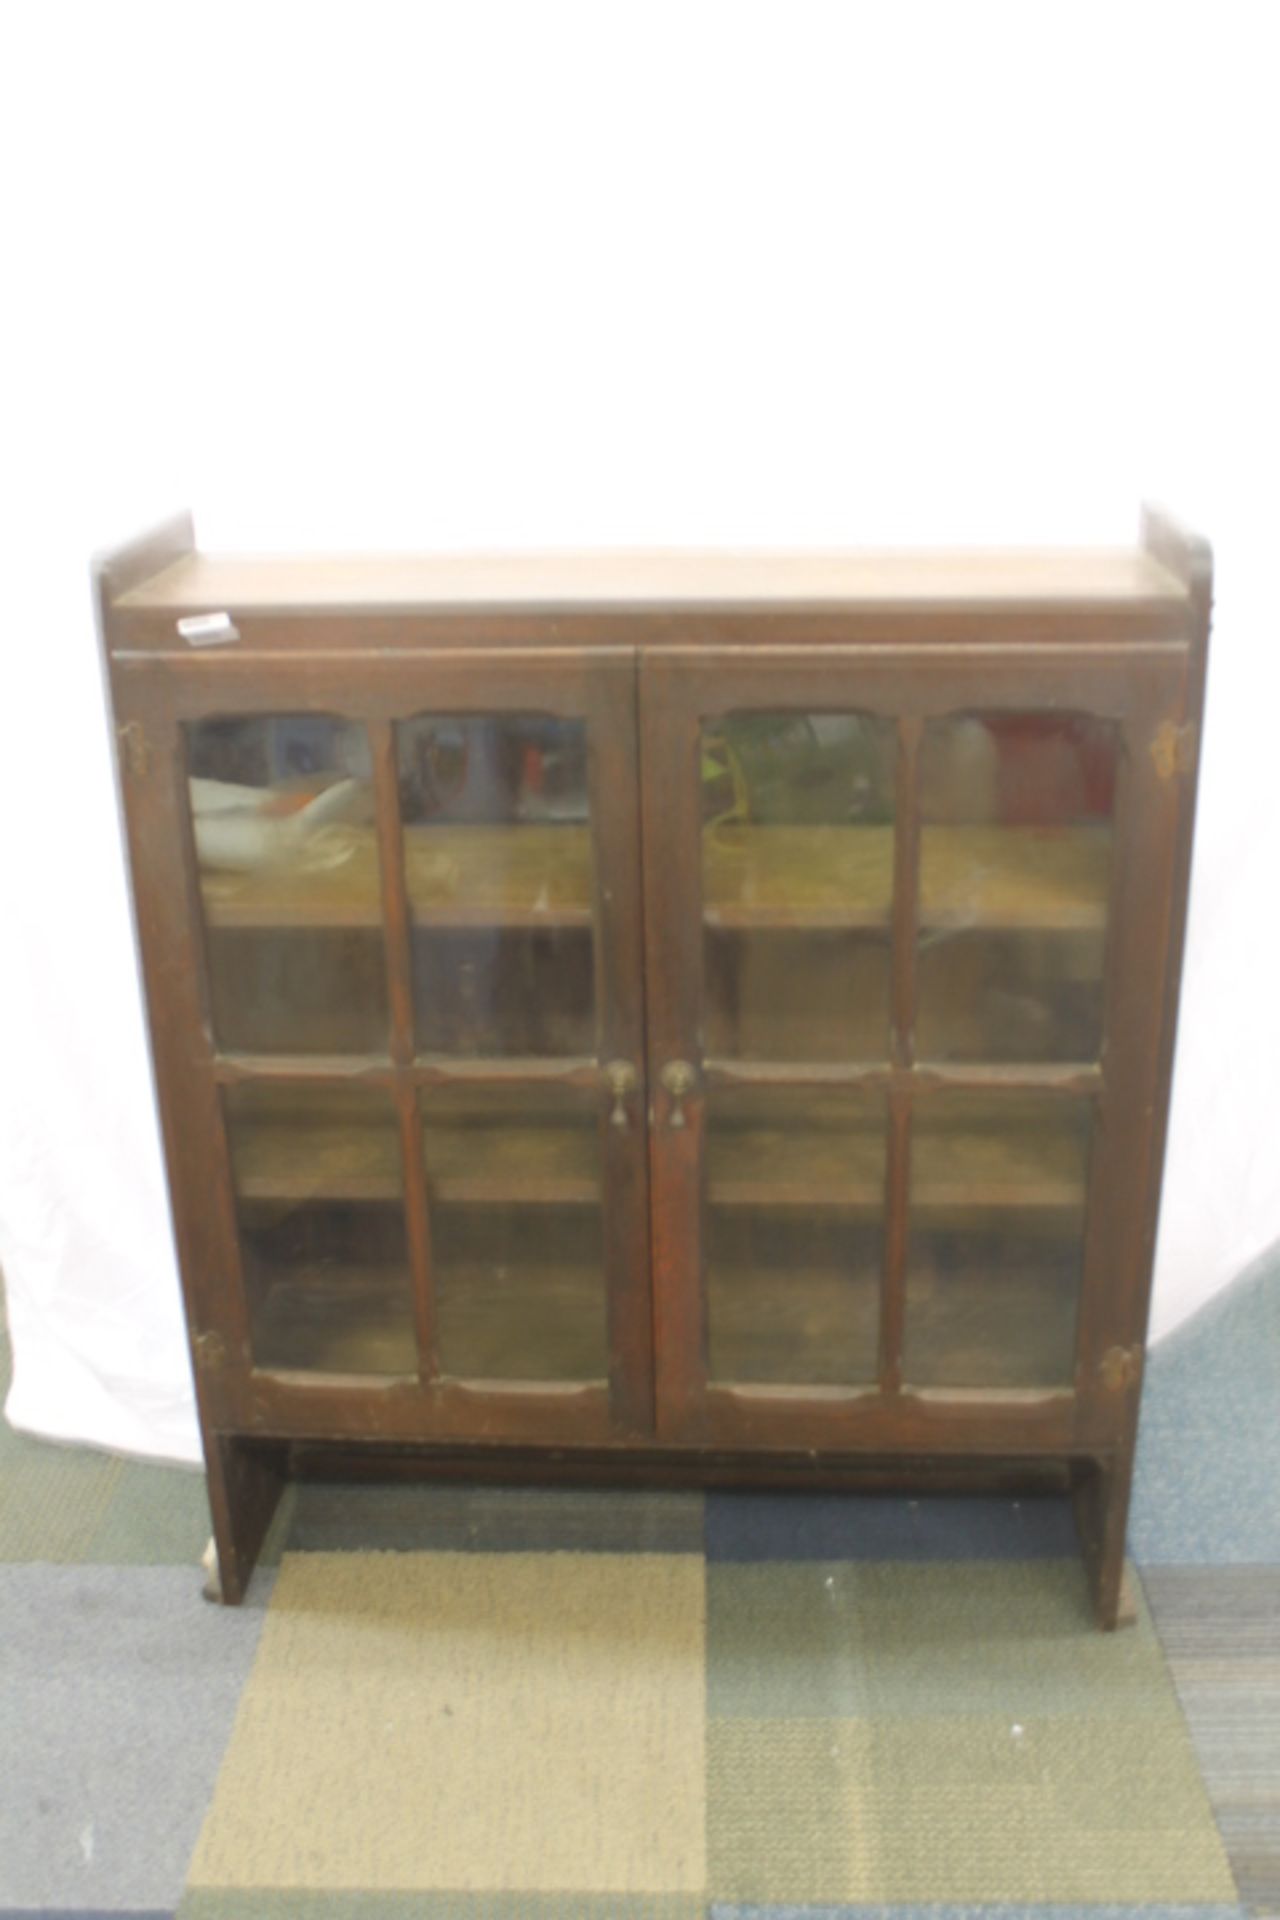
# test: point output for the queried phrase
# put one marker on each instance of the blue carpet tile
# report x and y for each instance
(804, 1526)
(1207, 1490)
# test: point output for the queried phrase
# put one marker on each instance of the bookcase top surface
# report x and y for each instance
(1093, 578)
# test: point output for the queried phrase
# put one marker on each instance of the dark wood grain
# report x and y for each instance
(395, 921)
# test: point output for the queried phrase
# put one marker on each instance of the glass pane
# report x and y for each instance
(317, 1173)
(997, 1239)
(499, 870)
(797, 875)
(799, 996)
(517, 1240)
(795, 1199)
(1015, 867)
(282, 815)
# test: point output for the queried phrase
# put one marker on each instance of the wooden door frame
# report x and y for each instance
(155, 695)
(1144, 688)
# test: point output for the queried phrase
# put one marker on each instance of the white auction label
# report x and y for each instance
(208, 629)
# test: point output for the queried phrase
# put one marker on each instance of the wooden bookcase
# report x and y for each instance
(663, 1017)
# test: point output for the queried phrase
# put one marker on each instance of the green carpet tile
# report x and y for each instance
(70, 1506)
(488, 1703)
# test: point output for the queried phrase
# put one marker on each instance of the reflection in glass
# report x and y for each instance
(1015, 863)
(998, 1184)
(282, 819)
(794, 1204)
(797, 880)
(498, 866)
(514, 1177)
(317, 1176)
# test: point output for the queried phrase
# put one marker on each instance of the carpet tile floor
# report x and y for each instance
(451, 1703)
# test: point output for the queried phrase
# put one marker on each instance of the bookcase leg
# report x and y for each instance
(246, 1480)
(1101, 1499)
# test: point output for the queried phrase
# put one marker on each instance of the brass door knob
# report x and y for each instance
(679, 1079)
(621, 1079)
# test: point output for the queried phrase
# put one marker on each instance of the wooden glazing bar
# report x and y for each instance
(430, 1070)
(398, 937)
(371, 1069)
(897, 1178)
(906, 879)
(796, 1073)
(977, 1076)
(395, 903)
(418, 1226)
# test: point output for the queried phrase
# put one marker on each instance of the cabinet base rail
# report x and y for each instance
(248, 1475)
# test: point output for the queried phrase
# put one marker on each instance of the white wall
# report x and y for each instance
(474, 274)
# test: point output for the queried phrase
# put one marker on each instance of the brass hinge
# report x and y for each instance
(1173, 748)
(212, 1351)
(1120, 1367)
(134, 749)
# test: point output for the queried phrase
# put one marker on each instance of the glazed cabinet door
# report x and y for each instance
(907, 915)
(391, 924)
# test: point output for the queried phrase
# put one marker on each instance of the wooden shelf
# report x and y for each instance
(976, 1329)
(538, 1323)
(521, 1166)
(800, 1327)
(995, 878)
(812, 1326)
(819, 1326)
(1014, 879)
(526, 1166)
(961, 1173)
(797, 876)
(954, 1174)
(531, 876)
(525, 1322)
(776, 1167)
(279, 1160)
(351, 1320)
(515, 876)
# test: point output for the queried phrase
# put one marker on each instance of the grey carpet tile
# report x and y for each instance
(1001, 1911)
(1217, 1614)
(1251, 1836)
(120, 1687)
(331, 1518)
(1220, 1628)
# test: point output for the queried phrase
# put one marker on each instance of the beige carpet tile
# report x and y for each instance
(464, 1722)
(957, 1810)
(847, 1639)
